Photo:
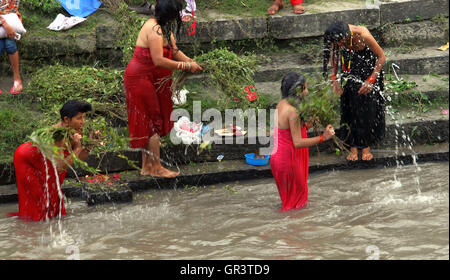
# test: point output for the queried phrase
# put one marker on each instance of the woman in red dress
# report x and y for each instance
(149, 104)
(290, 158)
(38, 180)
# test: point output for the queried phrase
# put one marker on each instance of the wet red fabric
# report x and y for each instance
(30, 169)
(148, 108)
(296, 2)
(290, 170)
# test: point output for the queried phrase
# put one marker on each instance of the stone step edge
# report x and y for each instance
(234, 175)
(427, 131)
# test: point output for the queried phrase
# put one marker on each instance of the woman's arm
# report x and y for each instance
(77, 150)
(296, 132)
(155, 41)
(178, 55)
(10, 33)
(378, 51)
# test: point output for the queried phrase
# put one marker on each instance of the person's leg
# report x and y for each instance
(297, 6)
(13, 54)
(2, 46)
(275, 7)
(153, 165)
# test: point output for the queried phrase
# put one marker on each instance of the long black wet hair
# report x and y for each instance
(167, 14)
(334, 33)
(290, 83)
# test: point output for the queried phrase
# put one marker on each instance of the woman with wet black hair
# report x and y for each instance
(362, 101)
(290, 157)
(149, 104)
(38, 178)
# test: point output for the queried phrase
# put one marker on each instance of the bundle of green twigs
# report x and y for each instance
(98, 136)
(226, 71)
(320, 107)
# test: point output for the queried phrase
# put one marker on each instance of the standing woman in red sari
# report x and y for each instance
(290, 158)
(150, 105)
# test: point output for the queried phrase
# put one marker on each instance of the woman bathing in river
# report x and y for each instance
(289, 161)
(40, 198)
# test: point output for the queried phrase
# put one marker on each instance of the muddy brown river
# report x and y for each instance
(392, 213)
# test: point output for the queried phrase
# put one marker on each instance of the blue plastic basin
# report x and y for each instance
(250, 159)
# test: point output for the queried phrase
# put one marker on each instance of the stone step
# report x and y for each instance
(274, 66)
(232, 171)
(433, 86)
(403, 129)
(414, 25)
(286, 25)
(424, 61)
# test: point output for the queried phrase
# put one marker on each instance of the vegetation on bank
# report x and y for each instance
(50, 86)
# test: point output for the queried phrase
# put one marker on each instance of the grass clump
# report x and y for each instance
(16, 123)
(230, 74)
(52, 86)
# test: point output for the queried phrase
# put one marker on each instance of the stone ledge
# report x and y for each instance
(226, 30)
(422, 61)
(412, 10)
(428, 33)
(430, 130)
(314, 25)
(239, 172)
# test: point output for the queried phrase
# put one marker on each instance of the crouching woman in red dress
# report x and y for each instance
(38, 180)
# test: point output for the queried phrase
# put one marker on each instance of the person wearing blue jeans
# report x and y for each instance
(9, 45)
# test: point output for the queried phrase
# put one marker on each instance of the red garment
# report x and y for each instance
(148, 109)
(10, 6)
(31, 172)
(296, 2)
(290, 170)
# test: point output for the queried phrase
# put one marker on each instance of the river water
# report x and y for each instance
(393, 213)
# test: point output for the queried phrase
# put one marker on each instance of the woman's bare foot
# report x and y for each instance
(298, 9)
(159, 172)
(353, 156)
(17, 87)
(366, 154)
(275, 7)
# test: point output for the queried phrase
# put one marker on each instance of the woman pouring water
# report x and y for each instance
(362, 102)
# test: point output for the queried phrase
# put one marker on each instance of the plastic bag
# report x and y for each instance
(13, 20)
(62, 22)
(188, 131)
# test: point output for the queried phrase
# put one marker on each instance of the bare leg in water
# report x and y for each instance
(151, 162)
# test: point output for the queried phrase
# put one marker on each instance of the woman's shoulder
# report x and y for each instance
(286, 109)
(151, 26)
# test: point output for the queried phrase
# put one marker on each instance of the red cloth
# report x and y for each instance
(31, 173)
(148, 109)
(296, 2)
(290, 170)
